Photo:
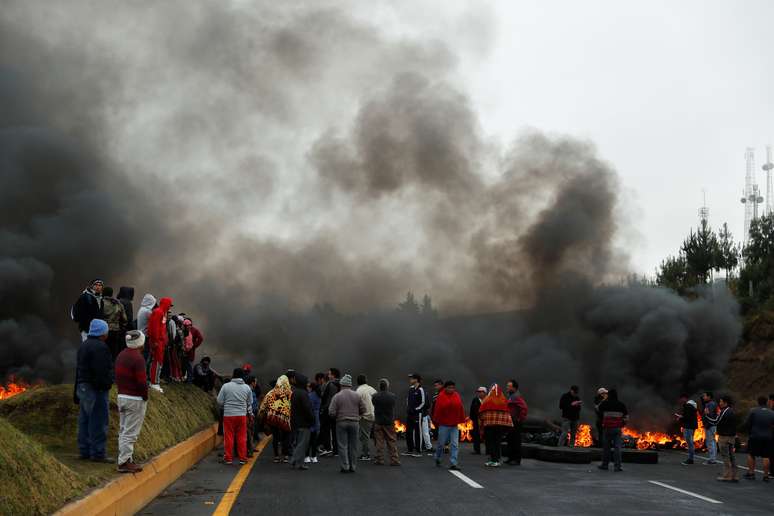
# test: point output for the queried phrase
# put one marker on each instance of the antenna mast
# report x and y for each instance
(751, 197)
(767, 167)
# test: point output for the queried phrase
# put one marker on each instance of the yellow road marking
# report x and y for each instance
(229, 498)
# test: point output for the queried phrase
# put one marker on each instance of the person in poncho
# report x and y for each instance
(275, 412)
(494, 418)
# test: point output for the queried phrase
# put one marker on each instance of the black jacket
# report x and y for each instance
(95, 365)
(568, 411)
(474, 406)
(726, 422)
(331, 389)
(384, 408)
(416, 403)
(86, 309)
(689, 419)
(126, 296)
(301, 415)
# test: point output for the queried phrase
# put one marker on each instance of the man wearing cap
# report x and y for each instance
(598, 399)
(416, 408)
(93, 379)
(347, 407)
(88, 307)
(132, 384)
(474, 406)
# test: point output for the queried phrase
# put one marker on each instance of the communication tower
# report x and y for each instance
(751, 197)
(767, 167)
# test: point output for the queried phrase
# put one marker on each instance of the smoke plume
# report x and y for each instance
(287, 174)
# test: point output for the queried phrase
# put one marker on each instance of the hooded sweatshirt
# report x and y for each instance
(301, 414)
(448, 409)
(689, 420)
(157, 325)
(144, 313)
(236, 398)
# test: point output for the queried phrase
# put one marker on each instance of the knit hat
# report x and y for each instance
(691, 403)
(98, 328)
(601, 390)
(135, 339)
(346, 381)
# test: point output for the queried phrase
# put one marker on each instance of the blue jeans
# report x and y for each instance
(688, 436)
(450, 435)
(612, 437)
(709, 440)
(92, 421)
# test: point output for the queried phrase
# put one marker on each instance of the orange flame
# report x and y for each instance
(400, 428)
(646, 440)
(13, 387)
(466, 429)
(583, 436)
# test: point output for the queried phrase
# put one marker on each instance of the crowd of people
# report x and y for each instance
(329, 416)
(137, 353)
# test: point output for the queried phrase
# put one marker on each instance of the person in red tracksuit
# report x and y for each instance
(157, 334)
(236, 400)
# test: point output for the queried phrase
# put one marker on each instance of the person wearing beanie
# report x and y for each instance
(132, 384)
(384, 427)
(347, 407)
(93, 379)
(88, 307)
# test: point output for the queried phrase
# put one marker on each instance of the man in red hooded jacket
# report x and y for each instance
(448, 412)
(157, 333)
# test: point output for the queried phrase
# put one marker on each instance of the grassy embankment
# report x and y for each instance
(39, 466)
(751, 368)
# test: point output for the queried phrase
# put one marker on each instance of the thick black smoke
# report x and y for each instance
(287, 174)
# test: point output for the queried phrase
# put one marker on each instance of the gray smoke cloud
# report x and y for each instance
(287, 174)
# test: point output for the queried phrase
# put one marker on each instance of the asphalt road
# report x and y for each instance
(419, 487)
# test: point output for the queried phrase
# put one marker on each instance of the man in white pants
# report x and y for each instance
(132, 383)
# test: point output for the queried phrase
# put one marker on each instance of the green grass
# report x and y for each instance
(47, 417)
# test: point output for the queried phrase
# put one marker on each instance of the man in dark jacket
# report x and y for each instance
(328, 442)
(725, 422)
(126, 297)
(384, 427)
(759, 425)
(570, 405)
(416, 408)
(689, 421)
(93, 379)
(88, 307)
(474, 406)
(301, 420)
(518, 410)
(614, 417)
(709, 408)
(598, 399)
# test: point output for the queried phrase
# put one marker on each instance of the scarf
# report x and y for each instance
(275, 407)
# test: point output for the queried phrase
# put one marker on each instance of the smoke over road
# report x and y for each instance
(253, 162)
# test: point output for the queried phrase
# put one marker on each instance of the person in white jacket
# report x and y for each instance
(236, 399)
(365, 392)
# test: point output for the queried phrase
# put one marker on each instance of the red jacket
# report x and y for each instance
(130, 373)
(196, 338)
(157, 325)
(517, 407)
(448, 409)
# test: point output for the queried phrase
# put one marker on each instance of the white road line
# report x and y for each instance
(721, 462)
(689, 493)
(467, 480)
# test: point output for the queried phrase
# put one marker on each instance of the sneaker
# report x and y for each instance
(286, 460)
(454, 467)
(276, 460)
(314, 460)
(129, 467)
(496, 464)
(242, 462)
(417, 454)
(157, 387)
(407, 454)
(489, 463)
(324, 453)
(307, 460)
(687, 462)
(228, 462)
(365, 457)
(618, 470)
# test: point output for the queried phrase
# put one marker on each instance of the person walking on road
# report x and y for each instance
(328, 443)
(448, 412)
(301, 420)
(275, 413)
(314, 398)
(132, 399)
(494, 417)
(726, 427)
(759, 425)
(570, 405)
(93, 379)
(709, 409)
(518, 409)
(236, 400)
(689, 422)
(365, 392)
(384, 429)
(614, 417)
(346, 408)
(416, 405)
(476, 432)
(88, 307)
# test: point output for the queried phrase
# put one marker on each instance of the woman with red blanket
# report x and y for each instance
(494, 418)
(448, 412)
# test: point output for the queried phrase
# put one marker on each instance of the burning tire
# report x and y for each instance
(566, 455)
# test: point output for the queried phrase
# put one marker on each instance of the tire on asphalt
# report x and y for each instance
(529, 451)
(566, 455)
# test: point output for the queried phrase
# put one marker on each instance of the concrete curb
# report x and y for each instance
(131, 492)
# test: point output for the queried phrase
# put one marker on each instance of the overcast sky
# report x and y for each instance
(671, 92)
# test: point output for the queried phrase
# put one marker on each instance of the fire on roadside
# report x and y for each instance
(466, 429)
(12, 387)
(645, 440)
